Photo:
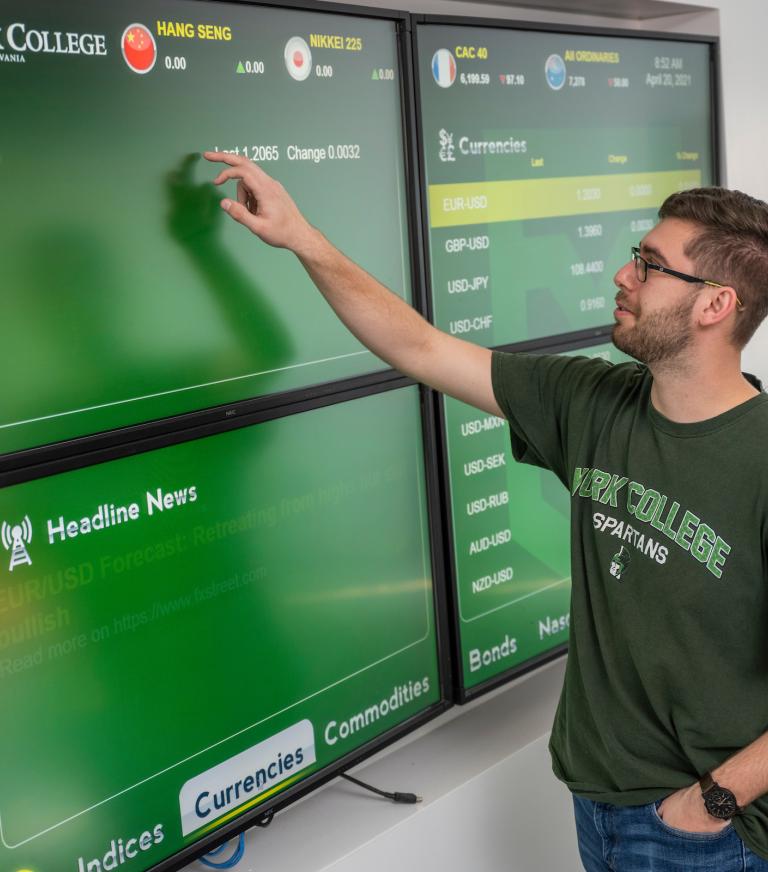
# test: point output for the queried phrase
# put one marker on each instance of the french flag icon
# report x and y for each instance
(444, 68)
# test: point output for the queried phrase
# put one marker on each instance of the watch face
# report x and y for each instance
(720, 803)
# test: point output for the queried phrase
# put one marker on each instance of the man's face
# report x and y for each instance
(654, 318)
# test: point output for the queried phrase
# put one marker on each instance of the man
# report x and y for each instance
(667, 675)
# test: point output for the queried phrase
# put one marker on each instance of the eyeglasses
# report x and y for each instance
(642, 266)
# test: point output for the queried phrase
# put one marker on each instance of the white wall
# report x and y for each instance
(745, 120)
(491, 802)
(744, 116)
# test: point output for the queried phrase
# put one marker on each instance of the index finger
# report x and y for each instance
(233, 160)
(254, 170)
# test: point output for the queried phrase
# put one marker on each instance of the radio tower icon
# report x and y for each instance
(15, 539)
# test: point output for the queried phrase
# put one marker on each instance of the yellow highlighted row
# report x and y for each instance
(524, 199)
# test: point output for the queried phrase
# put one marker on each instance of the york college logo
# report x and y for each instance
(15, 538)
(19, 39)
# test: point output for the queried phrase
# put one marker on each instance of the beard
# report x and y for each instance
(659, 336)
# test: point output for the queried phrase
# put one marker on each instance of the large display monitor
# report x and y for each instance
(510, 549)
(546, 156)
(126, 294)
(196, 634)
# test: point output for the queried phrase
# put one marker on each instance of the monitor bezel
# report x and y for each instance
(557, 343)
(41, 461)
(264, 811)
(567, 30)
(104, 439)
(461, 692)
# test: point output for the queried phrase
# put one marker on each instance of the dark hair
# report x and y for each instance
(732, 247)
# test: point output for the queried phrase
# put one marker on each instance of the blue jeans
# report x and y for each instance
(635, 839)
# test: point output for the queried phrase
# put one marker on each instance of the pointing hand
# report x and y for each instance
(263, 205)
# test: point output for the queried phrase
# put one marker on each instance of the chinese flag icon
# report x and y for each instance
(139, 48)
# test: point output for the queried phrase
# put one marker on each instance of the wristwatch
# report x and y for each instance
(719, 801)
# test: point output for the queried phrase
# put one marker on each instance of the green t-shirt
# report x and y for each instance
(667, 671)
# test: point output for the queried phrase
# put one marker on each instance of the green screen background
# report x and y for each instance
(525, 606)
(551, 275)
(296, 586)
(127, 295)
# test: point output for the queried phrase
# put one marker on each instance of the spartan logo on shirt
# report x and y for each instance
(620, 562)
(656, 516)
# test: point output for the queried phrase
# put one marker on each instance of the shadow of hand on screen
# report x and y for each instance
(59, 327)
(193, 209)
(194, 218)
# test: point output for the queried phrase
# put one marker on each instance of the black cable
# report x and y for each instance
(407, 798)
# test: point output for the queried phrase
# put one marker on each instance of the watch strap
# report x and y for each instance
(708, 784)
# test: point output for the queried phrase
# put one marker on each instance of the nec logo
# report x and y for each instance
(19, 39)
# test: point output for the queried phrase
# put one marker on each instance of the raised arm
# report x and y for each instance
(381, 320)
